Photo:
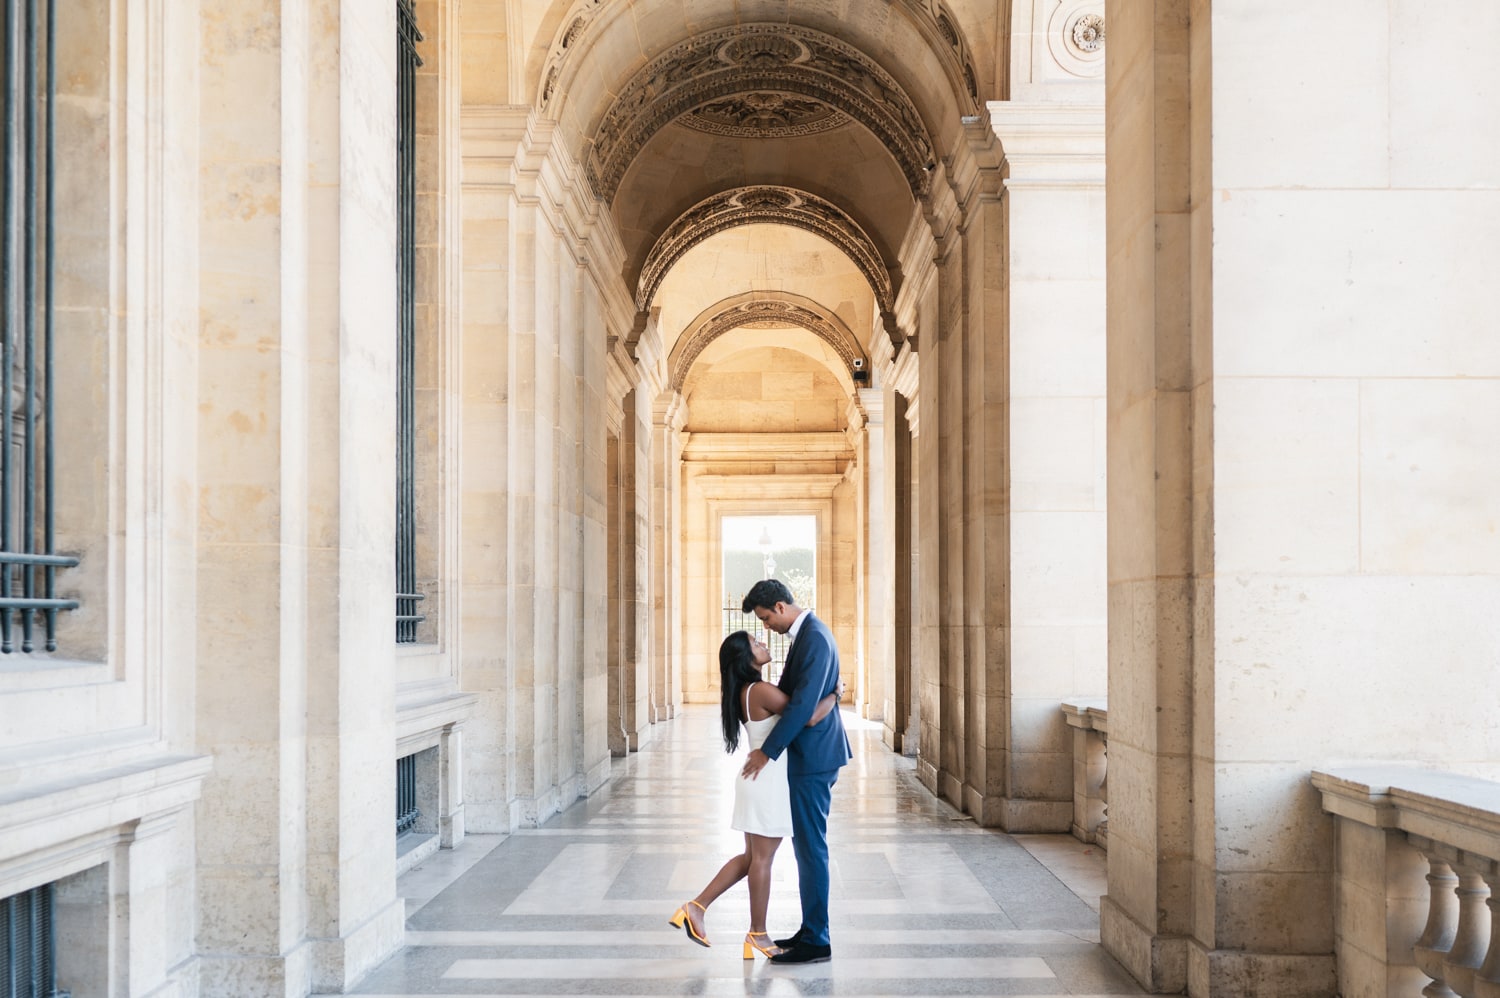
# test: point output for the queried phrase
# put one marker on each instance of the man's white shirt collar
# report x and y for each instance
(791, 634)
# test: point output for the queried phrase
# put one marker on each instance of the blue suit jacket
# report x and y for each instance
(811, 673)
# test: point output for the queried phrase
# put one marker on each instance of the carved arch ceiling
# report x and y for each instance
(931, 16)
(747, 205)
(764, 310)
(765, 77)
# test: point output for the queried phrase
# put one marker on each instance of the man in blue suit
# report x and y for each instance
(814, 756)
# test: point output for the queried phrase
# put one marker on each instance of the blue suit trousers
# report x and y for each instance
(811, 794)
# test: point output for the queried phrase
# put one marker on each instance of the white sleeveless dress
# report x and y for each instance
(762, 806)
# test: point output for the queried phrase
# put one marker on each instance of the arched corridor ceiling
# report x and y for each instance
(765, 310)
(668, 103)
(766, 260)
(749, 60)
(748, 205)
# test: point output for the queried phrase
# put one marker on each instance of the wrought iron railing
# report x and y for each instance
(407, 811)
(28, 945)
(407, 596)
(28, 559)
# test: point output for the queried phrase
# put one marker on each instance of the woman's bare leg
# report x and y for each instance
(761, 850)
(729, 874)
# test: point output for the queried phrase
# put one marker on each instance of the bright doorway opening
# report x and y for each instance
(767, 547)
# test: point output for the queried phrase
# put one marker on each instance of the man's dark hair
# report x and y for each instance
(767, 593)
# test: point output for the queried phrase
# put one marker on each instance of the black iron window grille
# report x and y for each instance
(407, 812)
(30, 947)
(28, 558)
(407, 596)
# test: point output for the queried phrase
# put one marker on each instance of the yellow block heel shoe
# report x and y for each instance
(759, 941)
(680, 920)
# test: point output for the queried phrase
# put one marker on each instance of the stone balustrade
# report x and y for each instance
(1089, 719)
(1395, 934)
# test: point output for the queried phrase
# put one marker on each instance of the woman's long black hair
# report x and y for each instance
(736, 671)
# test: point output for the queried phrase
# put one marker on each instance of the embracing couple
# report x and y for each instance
(797, 745)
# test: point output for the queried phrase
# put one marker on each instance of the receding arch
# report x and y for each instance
(763, 310)
(770, 58)
(764, 203)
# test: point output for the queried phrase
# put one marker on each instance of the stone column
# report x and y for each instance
(488, 243)
(876, 592)
(963, 474)
(594, 531)
(667, 414)
(296, 370)
(354, 917)
(1154, 485)
(1054, 190)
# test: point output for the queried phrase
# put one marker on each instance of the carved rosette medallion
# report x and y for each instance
(1088, 33)
(747, 205)
(1075, 37)
(765, 313)
(764, 115)
(758, 59)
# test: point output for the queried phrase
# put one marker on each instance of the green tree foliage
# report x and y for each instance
(794, 566)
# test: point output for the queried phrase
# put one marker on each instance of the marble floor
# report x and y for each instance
(924, 902)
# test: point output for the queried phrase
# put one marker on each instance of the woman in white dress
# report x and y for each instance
(762, 806)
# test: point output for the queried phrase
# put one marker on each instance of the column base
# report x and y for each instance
(339, 963)
(597, 776)
(927, 775)
(264, 976)
(1159, 963)
(1016, 815)
(1260, 975)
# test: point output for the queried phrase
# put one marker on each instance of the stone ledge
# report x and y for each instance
(42, 815)
(1462, 811)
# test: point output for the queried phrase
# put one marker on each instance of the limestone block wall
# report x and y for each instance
(1303, 467)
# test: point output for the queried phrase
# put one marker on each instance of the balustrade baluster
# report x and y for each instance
(1487, 978)
(1442, 920)
(1471, 938)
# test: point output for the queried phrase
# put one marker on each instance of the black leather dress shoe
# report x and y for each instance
(804, 953)
(791, 940)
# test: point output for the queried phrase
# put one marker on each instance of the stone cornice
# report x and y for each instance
(620, 378)
(789, 486)
(739, 448)
(1050, 145)
(649, 359)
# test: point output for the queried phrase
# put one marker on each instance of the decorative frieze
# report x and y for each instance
(764, 116)
(746, 205)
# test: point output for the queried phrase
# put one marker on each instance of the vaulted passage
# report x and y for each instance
(387, 385)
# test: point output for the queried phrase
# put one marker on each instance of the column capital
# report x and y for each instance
(1050, 144)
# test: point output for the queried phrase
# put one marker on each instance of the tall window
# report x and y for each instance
(28, 561)
(407, 596)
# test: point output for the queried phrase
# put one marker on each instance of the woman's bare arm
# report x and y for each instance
(772, 700)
